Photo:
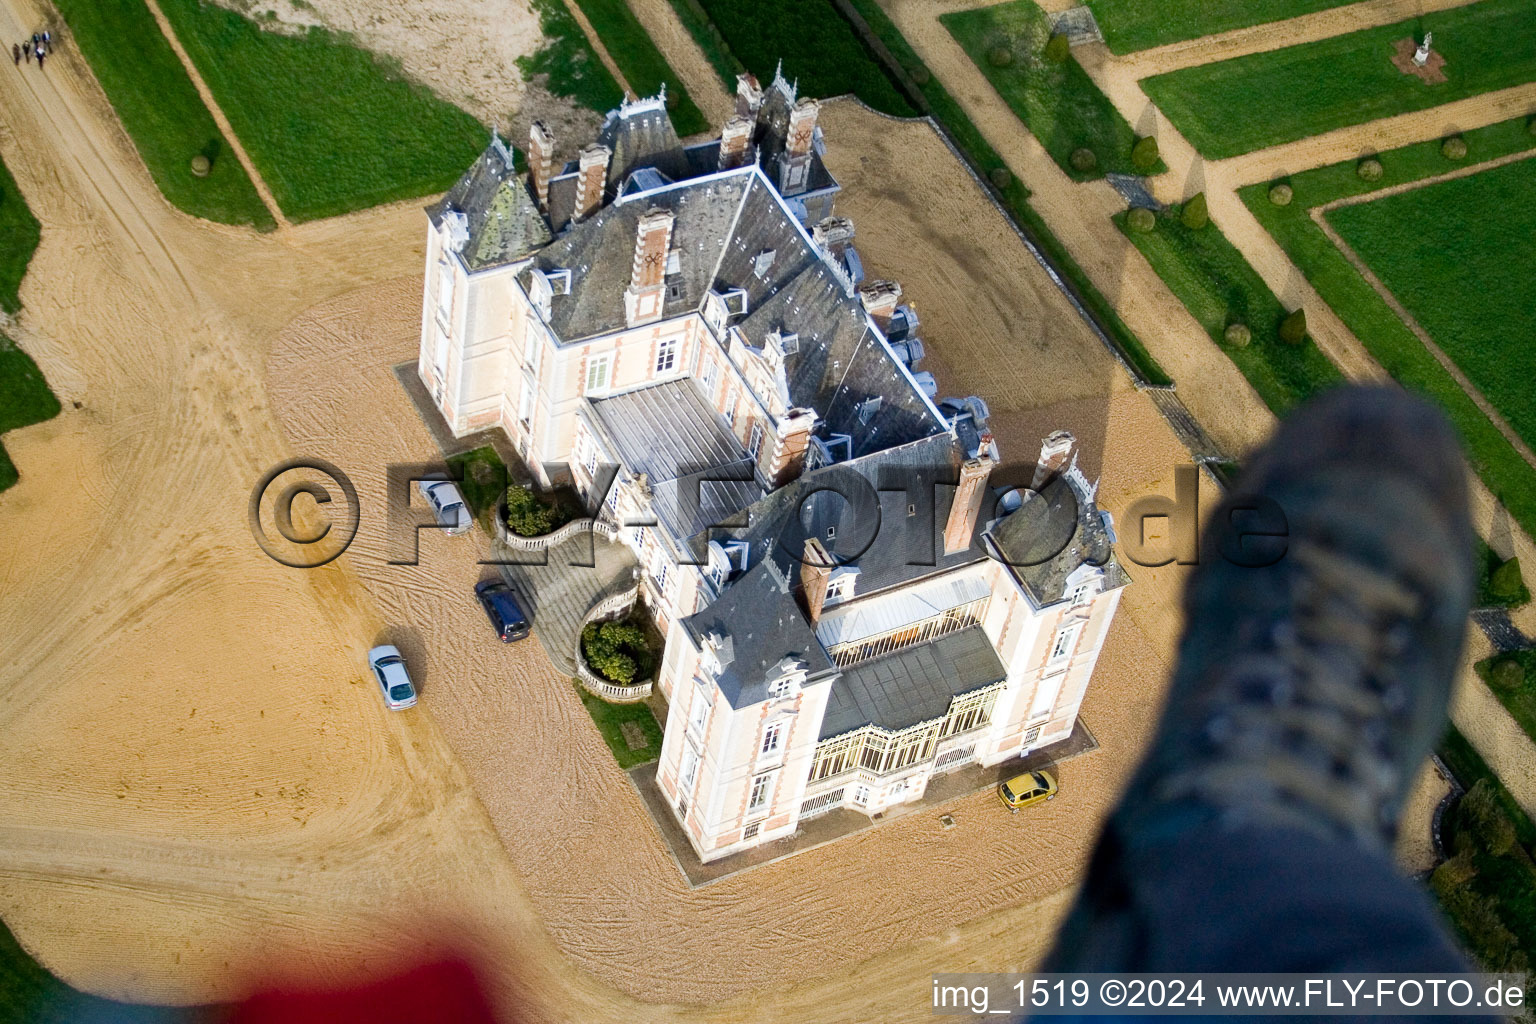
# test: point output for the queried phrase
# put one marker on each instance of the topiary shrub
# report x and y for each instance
(1506, 582)
(1293, 329)
(1141, 219)
(1057, 49)
(1083, 159)
(1508, 674)
(1280, 194)
(1000, 177)
(1195, 215)
(617, 651)
(1454, 148)
(1454, 873)
(1000, 57)
(921, 75)
(201, 166)
(1237, 335)
(1369, 169)
(1481, 810)
(530, 516)
(1144, 154)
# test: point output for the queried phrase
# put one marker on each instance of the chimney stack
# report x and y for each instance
(591, 180)
(1056, 453)
(735, 140)
(815, 570)
(880, 299)
(790, 445)
(966, 503)
(541, 161)
(749, 95)
(833, 234)
(802, 128)
(653, 240)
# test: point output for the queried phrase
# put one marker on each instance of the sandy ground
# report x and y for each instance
(686, 59)
(465, 50)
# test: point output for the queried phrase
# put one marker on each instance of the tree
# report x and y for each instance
(1293, 329)
(1144, 154)
(1506, 582)
(1238, 335)
(1141, 219)
(1195, 215)
(1058, 48)
(527, 516)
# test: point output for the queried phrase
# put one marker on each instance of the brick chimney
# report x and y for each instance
(541, 161)
(833, 234)
(815, 570)
(749, 95)
(653, 239)
(1056, 454)
(802, 127)
(880, 299)
(735, 140)
(789, 446)
(966, 503)
(592, 179)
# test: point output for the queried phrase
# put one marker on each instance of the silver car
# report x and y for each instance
(389, 669)
(447, 504)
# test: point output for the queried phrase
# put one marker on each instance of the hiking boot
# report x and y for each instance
(1308, 692)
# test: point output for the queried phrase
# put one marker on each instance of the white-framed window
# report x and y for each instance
(1081, 593)
(861, 795)
(839, 588)
(592, 460)
(730, 407)
(597, 372)
(762, 789)
(1066, 639)
(755, 442)
(659, 571)
(707, 375)
(698, 711)
(779, 688)
(772, 737)
(444, 291)
(666, 355)
(525, 404)
(690, 769)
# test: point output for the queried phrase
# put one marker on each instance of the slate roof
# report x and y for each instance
(640, 134)
(912, 685)
(501, 213)
(764, 623)
(698, 472)
(1050, 535)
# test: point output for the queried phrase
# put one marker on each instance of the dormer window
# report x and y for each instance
(559, 282)
(762, 263)
(675, 261)
(779, 688)
(721, 306)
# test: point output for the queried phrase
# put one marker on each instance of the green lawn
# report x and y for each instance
(161, 110)
(1519, 698)
(1058, 102)
(567, 61)
(329, 126)
(817, 45)
(1371, 320)
(641, 64)
(610, 719)
(1013, 196)
(1218, 287)
(704, 32)
(1459, 256)
(1139, 24)
(1263, 99)
(485, 480)
(19, 234)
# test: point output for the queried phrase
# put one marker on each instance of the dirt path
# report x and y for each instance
(686, 59)
(598, 47)
(218, 115)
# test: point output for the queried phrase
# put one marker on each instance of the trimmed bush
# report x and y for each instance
(530, 516)
(1508, 674)
(1195, 214)
(1000, 177)
(1237, 335)
(1144, 154)
(1000, 57)
(1454, 148)
(1506, 582)
(1369, 169)
(201, 165)
(1454, 873)
(1293, 329)
(921, 75)
(1058, 49)
(1481, 811)
(1280, 194)
(1141, 219)
(1083, 159)
(617, 651)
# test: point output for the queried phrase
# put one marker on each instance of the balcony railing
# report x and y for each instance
(951, 620)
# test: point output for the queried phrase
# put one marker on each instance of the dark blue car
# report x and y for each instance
(501, 608)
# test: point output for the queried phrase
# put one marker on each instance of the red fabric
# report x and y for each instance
(446, 992)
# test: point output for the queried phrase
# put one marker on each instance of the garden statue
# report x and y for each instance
(1421, 55)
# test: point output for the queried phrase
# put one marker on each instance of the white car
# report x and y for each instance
(389, 669)
(447, 505)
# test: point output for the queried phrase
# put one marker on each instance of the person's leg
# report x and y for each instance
(1256, 834)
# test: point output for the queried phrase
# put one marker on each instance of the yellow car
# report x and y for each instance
(1029, 788)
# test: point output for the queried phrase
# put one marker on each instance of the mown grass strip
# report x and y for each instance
(1275, 96)
(24, 395)
(610, 719)
(1058, 102)
(160, 109)
(19, 234)
(819, 49)
(1130, 25)
(641, 63)
(1218, 287)
(704, 32)
(330, 127)
(569, 65)
(1511, 479)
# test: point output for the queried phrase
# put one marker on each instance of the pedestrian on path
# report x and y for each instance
(47, 41)
(39, 58)
(16, 54)
(26, 51)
